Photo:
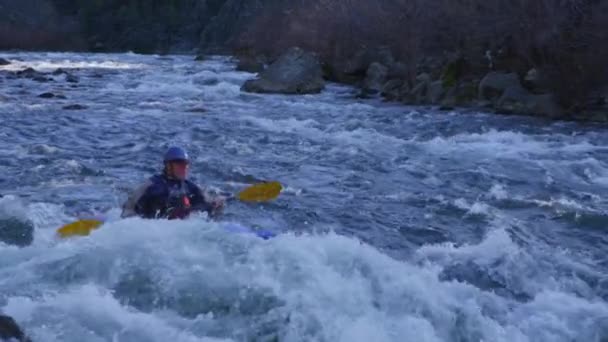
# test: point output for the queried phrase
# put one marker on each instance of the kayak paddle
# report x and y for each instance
(261, 192)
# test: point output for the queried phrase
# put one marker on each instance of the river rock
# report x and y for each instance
(32, 74)
(75, 107)
(462, 94)
(4, 61)
(375, 78)
(494, 84)
(392, 89)
(418, 94)
(9, 330)
(517, 100)
(71, 78)
(14, 231)
(295, 72)
(435, 92)
(197, 110)
(249, 63)
(46, 95)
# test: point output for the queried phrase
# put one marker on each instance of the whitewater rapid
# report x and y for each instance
(396, 223)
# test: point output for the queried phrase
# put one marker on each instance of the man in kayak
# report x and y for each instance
(170, 194)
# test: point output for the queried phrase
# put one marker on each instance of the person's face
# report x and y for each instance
(178, 169)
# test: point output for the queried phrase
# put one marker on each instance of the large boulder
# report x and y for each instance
(375, 78)
(394, 89)
(354, 68)
(418, 94)
(295, 72)
(251, 63)
(517, 100)
(494, 84)
(435, 92)
(462, 94)
(10, 331)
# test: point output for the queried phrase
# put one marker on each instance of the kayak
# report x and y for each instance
(241, 229)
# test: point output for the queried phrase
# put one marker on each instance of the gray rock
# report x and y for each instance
(32, 74)
(418, 93)
(357, 64)
(517, 100)
(197, 110)
(423, 78)
(295, 72)
(75, 107)
(375, 78)
(462, 94)
(71, 78)
(251, 63)
(532, 78)
(46, 95)
(493, 85)
(435, 92)
(392, 89)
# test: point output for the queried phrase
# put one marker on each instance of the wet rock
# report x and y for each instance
(197, 110)
(4, 61)
(251, 63)
(435, 92)
(353, 69)
(295, 72)
(418, 94)
(517, 100)
(68, 76)
(462, 94)
(52, 95)
(375, 78)
(59, 71)
(392, 89)
(46, 95)
(14, 231)
(455, 68)
(71, 78)
(75, 107)
(32, 74)
(494, 84)
(9, 330)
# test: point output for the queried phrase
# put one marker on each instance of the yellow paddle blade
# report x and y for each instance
(81, 228)
(261, 192)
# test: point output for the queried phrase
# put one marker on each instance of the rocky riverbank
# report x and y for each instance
(484, 54)
(448, 84)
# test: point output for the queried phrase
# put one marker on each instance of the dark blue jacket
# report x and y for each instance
(164, 197)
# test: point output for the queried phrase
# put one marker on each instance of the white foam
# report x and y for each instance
(498, 192)
(330, 287)
(51, 65)
(505, 144)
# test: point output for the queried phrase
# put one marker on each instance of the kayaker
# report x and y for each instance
(170, 194)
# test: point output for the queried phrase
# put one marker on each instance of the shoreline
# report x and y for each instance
(464, 94)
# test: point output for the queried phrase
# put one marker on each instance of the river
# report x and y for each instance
(395, 224)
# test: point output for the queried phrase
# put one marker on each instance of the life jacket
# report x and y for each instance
(176, 195)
